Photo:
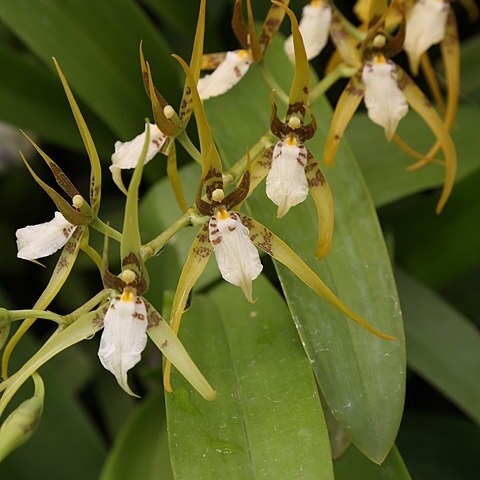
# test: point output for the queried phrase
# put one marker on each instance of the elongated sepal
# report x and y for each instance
(345, 43)
(271, 24)
(322, 196)
(211, 163)
(20, 425)
(263, 238)
(376, 9)
(346, 106)
(131, 242)
(252, 35)
(301, 84)
(82, 329)
(260, 168)
(172, 173)
(71, 214)
(194, 266)
(239, 27)
(168, 343)
(96, 170)
(186, 106)
(419, 102)
(235, 198)
(60, 177)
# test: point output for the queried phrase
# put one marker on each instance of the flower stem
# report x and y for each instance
(341, 71)
(8, 316)
(102, 227)
(267, 75)
(188, 145)
(87, 306)
(154, 246)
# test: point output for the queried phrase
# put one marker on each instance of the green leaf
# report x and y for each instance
(369, 405)
(263, 424)
(354, 465)
(100, 38)
(470, 86)
(384, 165)
(141, 449)
(437, 249)
(440, 447)
(32, 98)
(443, 346)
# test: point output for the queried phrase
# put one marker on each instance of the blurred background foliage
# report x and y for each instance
(90, 428)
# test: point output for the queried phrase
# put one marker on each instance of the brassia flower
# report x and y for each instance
(290, 167)
(387, 90)
(320, 18)
(233, 236)
(169, 126)
(230, 67)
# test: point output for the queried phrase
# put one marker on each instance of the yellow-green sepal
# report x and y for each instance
(264, 239)
(271, 24)
(96, 171)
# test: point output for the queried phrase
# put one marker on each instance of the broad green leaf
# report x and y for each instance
(439, 447)
(369, 405)
(141, 448)
(100, 38)
(67, 443)
(353, 465)
(32, 98)
(443, 346)
(439, 249)
(263, 424)
(384, 165)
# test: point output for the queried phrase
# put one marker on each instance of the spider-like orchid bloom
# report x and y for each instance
(387, 90)
(169, 125)
(230, 67)
(233, 236)
(38, 241)
(426, 26)
(129, 318)
(321, 19)
(290, 168)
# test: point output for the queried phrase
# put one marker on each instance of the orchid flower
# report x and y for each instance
(233, 236)
(230, 67)
(388, 90)
(320, 18)
(290, 167)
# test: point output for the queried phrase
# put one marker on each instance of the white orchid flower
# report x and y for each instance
(226, 75)
(385, 102)
(425, 27)
(314, 27)
(38, 241)
(237, 257)
(124, 335)
(287, 183)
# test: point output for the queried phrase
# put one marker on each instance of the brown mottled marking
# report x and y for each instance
(164, 344)
(131, 259)
(62, 263)
(138, 316)
(202, 252)
(296, 107)
(231, 229)
(337, 137)
(216, 241)
(305, 90)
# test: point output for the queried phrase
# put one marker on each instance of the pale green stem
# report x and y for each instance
(151, 248)
(353, 30)
(102, 227)
(234, 173)
(188, 145)
(87, 306)
(8, 316)
(93, 254)
(267, 75)
(341, 71)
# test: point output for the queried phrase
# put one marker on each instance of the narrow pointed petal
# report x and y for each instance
(346, 106)
(271, 24)
(322, 196)
(124, 336)
(186, 106)
(345, 43)
(301, 84)
(211, 163)
(314, 27)
(278, 249)
(287, 184)
(260, 168)
(38, 241)
(252, 35)
(226, 75)
(173, 176)
(192, 269)
(237, 258)
(385, 102)
(96, 170)
(425, 27)
(60, 274)
(239, 27)
(210, 61)
(420, 103)
(168, 343)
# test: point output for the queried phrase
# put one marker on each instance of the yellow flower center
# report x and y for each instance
(379, 59)
(222, 213)
(128, 295)
(291, 141)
